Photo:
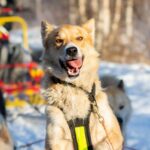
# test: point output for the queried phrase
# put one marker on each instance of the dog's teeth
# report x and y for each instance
(73, 72)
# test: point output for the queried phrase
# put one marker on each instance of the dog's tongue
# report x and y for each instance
(77, 63)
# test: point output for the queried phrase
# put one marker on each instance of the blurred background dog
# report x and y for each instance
(118, 99)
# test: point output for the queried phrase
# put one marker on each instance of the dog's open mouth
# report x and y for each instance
(72, 66)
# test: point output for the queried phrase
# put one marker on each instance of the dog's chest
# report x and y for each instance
(76, 103)
(76, 106)
(72, 101)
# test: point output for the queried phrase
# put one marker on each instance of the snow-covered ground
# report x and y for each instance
(29, 126)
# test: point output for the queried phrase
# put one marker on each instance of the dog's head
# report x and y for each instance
(68, 48)
(119, 102)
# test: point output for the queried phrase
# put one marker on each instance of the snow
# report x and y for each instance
(27, 126)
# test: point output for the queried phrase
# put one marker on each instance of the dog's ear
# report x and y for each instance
(121, 85)
(90, 27)
(46, 28)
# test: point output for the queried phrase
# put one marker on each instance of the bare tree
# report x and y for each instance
(73, 11)
(106, 17)
(116, 21)
(38, 9)
(82, 10)
(129, 20)
(103, 21)
(94, 8)
(99, 27)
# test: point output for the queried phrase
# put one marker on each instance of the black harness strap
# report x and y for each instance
(88, 135)
(80, 121)
(72, 124)
(56, 80)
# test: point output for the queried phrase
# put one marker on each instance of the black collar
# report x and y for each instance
(91, 94)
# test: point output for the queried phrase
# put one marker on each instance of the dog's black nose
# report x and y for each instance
(72, 51)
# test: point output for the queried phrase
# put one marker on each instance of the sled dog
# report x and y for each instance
(78, 113)
(118, 99)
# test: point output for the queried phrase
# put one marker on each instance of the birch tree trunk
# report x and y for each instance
(94, 8)
(129, 18)
(99, 27)
(106, 17)
(103, 22)
(38, 9)
(116, 21)
(73, 11)
(82, 10)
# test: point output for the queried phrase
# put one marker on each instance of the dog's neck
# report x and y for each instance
(57, 80)
(75, 100)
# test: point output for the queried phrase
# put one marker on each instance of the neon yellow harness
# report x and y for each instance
(81, 138)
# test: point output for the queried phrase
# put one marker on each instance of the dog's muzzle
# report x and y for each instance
(72, 61)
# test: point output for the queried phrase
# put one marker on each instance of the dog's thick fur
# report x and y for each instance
(118, 99)
(66, 102)
(6, 142)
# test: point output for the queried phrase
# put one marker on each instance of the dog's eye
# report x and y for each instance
(79, 38)
(121, 107)
(59, 42)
